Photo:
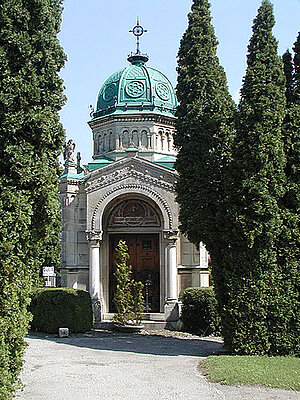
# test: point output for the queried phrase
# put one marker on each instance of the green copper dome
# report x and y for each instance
(134, 89)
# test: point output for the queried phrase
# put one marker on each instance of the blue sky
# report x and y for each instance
(95, 37)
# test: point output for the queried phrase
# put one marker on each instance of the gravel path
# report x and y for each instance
(158, 366)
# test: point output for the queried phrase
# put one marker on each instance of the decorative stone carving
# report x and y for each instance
(135, 188)
(171, 235)
(94, 236)
(170, 122)
(152, 178)
(133, 213)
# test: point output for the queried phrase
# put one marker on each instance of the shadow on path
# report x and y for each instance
(140, 343)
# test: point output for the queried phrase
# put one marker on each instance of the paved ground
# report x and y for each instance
(127, 367)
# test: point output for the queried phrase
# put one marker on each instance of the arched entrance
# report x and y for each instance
(138, 223)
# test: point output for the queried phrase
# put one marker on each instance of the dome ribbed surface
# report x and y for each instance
(136, 89)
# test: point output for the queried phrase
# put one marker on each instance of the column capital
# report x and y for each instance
(171, 235)
(94, 237)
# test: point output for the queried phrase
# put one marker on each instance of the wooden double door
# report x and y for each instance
(143, 250)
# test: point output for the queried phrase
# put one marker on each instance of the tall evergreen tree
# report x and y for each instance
(296, 49)
(31, 137)
(289, 246)
(292, 126)
(254, 316)
(288, 72)
(204, 130)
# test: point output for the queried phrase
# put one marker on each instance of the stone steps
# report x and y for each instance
(148, 325)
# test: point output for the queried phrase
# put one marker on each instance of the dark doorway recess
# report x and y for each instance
(144, 258)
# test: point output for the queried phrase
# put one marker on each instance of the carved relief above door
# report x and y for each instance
(131, 213)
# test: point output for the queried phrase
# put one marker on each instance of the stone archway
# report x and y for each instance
(132, 189)
(100, 229)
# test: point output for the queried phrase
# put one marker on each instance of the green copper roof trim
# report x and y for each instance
(167, 161)
(98, 163)
(71, 175)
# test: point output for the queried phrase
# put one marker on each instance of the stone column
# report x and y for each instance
(156, 140)
(94, 239)
(171, 271)
(163, 137)
(149, 141)
(171, 306)
(118, 141)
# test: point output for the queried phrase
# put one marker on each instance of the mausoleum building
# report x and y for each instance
(128, 192)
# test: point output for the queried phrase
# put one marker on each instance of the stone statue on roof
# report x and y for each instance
(69, 151)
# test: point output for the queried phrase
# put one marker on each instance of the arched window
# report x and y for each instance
(125, 139)
(112, 144)
(144, 140)
(135, 138)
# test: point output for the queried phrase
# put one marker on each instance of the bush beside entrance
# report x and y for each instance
(199, 311)
(54, 308)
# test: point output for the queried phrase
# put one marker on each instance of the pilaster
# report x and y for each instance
(95, 239)
(171, 306)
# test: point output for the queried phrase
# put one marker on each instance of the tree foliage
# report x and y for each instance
(289, 255)
(204, 130)
(254, 289)
(31, 137)
(288, 72)
(239, 191)
(128, 296)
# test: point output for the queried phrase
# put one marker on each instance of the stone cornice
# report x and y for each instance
(70, 181)
(132, 119)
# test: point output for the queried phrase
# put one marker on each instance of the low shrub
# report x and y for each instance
(54, 308)
(199, 311)
(14, 321)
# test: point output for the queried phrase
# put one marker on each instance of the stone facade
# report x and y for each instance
(128, 190)
(152, 135)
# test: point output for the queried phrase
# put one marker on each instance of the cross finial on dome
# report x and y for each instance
(138, 31)
(138, 57)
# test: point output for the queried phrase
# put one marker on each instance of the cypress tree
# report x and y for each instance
(289, 246)
(296, 49)
(31, 138)
(295, 182)
(254, 317)
(288, 72)
(204, 131)
(292, 127)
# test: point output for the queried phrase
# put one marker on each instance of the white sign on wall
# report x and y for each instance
(48, 271)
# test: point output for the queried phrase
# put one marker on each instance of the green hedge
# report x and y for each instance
(14, 320)
(54, 308)
(199, 311)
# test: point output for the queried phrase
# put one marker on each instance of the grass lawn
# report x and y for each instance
(280, 372)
